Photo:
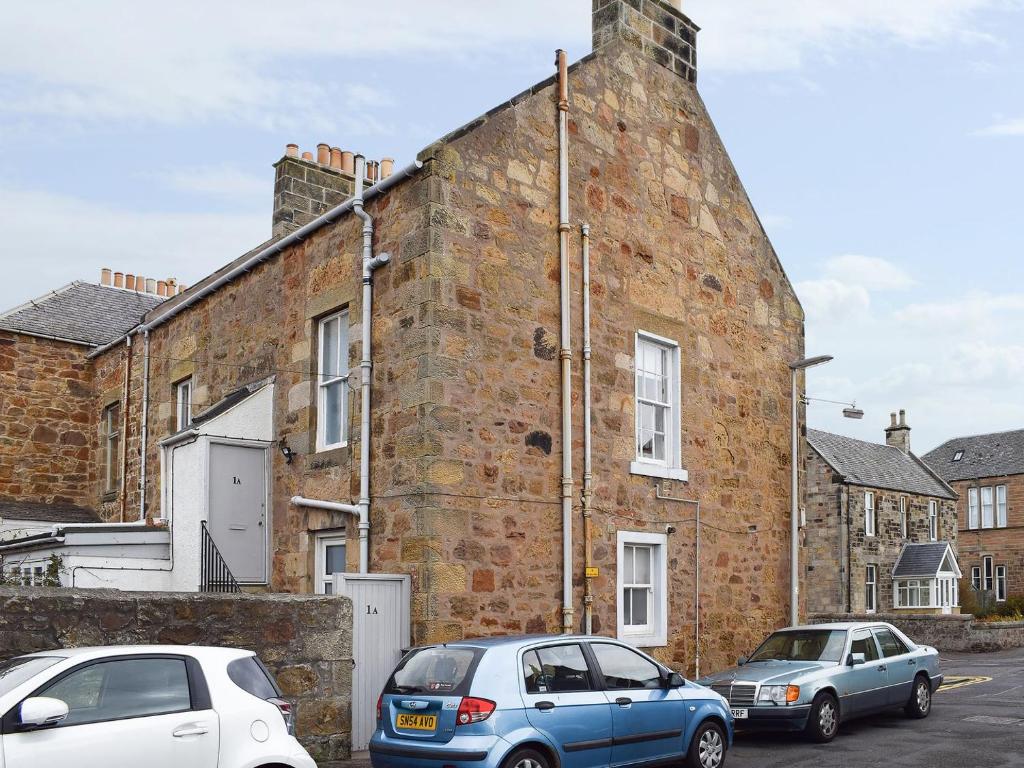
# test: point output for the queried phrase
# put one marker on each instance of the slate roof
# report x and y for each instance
(877, 466)
(81, 312)
(921, 559)
(11, 509)
(992, 455)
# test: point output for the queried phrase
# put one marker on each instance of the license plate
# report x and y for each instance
(417, 722)
(739, 714)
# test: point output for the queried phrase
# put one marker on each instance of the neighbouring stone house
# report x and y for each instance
(248, 385)
(881, 530)
(987, 472)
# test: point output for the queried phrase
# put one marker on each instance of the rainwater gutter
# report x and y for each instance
(565, 351)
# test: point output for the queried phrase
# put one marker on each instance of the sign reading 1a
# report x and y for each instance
(371, 610)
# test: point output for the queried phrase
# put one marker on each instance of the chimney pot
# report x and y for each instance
(129, 282)
(140, 283)
(105, 276)
(182, 288)
(150, 285)
(892, 419)
(348, 163)
(387, 167)
(307, 156)
(291, 150)
(161, 288)
(323, 154)
(118, 280)
(336, 158)
(903, 417)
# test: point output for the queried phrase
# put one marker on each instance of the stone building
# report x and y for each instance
(693, 325)
(987, 472)
(881, 530)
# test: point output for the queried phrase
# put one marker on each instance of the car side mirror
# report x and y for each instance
(741, 661)
(41, 711)
(675, 680)
(856, 659)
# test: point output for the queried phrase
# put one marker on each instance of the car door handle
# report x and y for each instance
(623, 701)
(882, 668)
(545, 706)
(190, 730)
(912, 662)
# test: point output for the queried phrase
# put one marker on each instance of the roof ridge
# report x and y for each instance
(35, 302)
(973, 437)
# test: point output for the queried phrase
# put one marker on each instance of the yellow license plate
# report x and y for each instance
(418, 722)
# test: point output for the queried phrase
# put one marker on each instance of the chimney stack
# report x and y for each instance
(657, 29)
(305, 188)
(897, 434)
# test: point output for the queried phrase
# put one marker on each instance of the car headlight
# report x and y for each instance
(779, 694)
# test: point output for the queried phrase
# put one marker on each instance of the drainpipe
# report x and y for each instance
(124, 425)
(565, 353)
(366, 365)
(144, 413)
(588, 478)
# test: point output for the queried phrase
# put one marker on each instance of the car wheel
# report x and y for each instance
(920, 703)
(526, 758)
(823, 722)
(707, 749)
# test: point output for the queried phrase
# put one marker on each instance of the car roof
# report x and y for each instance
(103, 651)
(514, 641)
(837, 625)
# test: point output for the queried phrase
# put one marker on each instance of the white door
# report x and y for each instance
(122, 714)
(380, 630)
(238, 509)
(946, 591)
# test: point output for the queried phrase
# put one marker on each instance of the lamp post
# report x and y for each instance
(794, 522)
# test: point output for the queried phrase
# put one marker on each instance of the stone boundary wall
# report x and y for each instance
(306, 641)
(946, 633)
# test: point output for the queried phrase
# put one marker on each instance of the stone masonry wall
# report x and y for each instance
(958, 633)
(305, 641)
(824, 551)
(835, 523)
(884, 548)
(1005, 545)
(677, 250)
(47, 421)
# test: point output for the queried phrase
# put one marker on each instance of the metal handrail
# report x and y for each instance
(215, 576)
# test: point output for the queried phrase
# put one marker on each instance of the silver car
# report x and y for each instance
(811, 678)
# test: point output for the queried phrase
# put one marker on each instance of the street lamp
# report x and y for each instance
(794, 522)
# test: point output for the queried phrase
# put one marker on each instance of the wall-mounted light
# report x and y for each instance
(285, 450)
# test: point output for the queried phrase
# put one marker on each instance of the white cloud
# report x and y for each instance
(870, 272)
(219, 181)
(977, 314)
(1006, 127)
(52, 239)
(832, 301)
(755, 35)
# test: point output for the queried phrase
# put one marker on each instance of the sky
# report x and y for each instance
(882, 144)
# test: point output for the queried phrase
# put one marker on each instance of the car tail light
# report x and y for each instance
(474, 710)
(380, 702)
(287, 712)
(792, 693)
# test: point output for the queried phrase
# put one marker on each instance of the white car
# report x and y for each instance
(149, 706)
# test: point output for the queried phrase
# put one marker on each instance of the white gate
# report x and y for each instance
(380, 630)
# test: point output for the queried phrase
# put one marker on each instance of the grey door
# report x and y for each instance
(238, 509)
(902, 666)
(380, 630)
(865, 684)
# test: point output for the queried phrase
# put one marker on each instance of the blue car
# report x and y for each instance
(544, 702)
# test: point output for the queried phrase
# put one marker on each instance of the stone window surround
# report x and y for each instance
(658, 620)
(323, 539)
(904, 518)
(997, 507)
(1000, 583)
(111, 455)
(183, 389)
(871, 582)
(870, 514)
(342, 315)
(671, 468)
(933, 520)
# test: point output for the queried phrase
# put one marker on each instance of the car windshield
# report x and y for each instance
(802, 645)
(439, 670)
(14, 672)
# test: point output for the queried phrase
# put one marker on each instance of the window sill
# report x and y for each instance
(658, 470)
(644, 641)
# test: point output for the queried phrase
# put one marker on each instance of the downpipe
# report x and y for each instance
(565, 351)
(588, 477)
(144, 432)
